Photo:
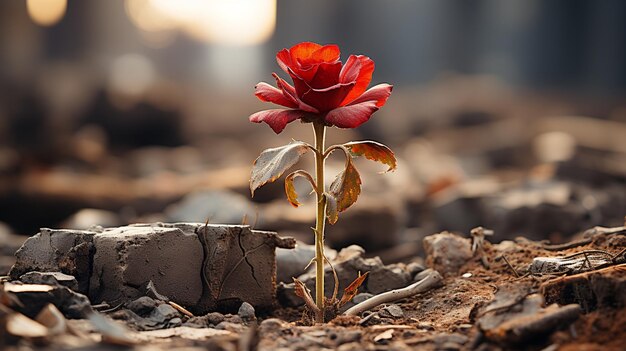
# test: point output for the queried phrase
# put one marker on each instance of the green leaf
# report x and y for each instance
(373, 151)
(346, 187)
(272, 163)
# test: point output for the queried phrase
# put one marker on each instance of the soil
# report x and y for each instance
(449, 317)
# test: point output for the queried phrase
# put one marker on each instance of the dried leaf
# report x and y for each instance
(346, 187)
(331, 208)
(272, 163)
(303, 292)
(351, 290)
(290, 190)
(373, 151)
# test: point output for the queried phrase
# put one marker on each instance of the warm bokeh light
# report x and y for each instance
(233, 22)
(131, 74)
(46, 12)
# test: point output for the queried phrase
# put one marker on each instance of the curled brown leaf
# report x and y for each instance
(373, 151)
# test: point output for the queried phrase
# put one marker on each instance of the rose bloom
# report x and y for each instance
(324, 88)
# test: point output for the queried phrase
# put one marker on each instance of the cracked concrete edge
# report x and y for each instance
(70, 239)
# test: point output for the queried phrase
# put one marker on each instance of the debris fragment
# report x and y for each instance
(447, 252)
(386, 335)
(116, 265)
(529, 323)
(430, 281)
(603, 288)
(583, 261)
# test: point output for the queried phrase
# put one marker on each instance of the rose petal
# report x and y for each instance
(365, 68)
(327, 53)
(326, 76)
(287, 89)
(268, 93)
(378, 93)
(303, 50)
(283, 58)
(290, 92)
(350, 70)
(277, 119)
(328, 98)
(351, 116)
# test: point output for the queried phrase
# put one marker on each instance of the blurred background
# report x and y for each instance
(505, 114)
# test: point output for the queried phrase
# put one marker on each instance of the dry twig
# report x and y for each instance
(432, 279)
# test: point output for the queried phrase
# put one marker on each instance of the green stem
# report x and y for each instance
(320, 131)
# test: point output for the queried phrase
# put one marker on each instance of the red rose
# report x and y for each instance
(324, 88)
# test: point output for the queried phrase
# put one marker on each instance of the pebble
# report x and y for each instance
(163, 313)
(391, 311)
(215, 318)
(246, 312)
(358, 298)
(414, 267)
(175, 322)
(142, 306)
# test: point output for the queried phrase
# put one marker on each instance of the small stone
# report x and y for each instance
(163, 313)
(214, 318)
(387, 278)
(197, 322)
(447, 252)
(271, 325)
(50, 278)
(175, 322)
(246, 312)
(414, 268)
(391, 311)
(467, 275)
(142, 306)
(73, 305)
(361, 297)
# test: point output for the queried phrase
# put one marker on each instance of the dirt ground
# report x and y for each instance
(490, 302)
